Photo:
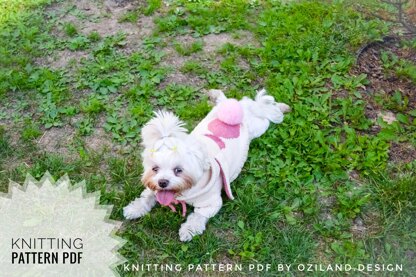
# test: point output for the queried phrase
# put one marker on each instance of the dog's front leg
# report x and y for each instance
(141, 205)
(196, 221)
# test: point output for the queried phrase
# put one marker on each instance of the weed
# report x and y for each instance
(31, 131)
(93, 105)
(94, 36)
(78, 43)
(402, 68)
(351, 200)
(70, 29)
(86, 126)
(51, 114)
(395, 194)
(251, 245)
(12, 10)
(123, 129)
(349, 251)
(152, 7)
(5, 147)
(407, 70)
(193, 67)
(130, 16)
(133, 15)
(186, 50)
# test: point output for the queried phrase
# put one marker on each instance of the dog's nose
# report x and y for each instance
(163, 183)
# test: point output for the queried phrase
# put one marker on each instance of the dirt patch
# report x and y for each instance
(383, 85)
(172, 59)
(402, 152)
(7, 110)
(208, 57)
(358, 228)
(228, 235)
(62, 59)
(58, 141)
(13, 133)
(146, 26)
(12, 113)
(369, 62)
(326, 203)
(410, 254)
(185, 40)
(368, 224)
(355, 177)
(174, 62)
(110, 12)
(213, 42)
(99, 140)
(97, 16)
(178, 77)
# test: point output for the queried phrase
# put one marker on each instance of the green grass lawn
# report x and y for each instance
(331, 184)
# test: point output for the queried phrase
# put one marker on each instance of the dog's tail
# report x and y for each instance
(263, 110)
(164, 125)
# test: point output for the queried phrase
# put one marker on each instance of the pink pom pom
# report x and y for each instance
(230, 112)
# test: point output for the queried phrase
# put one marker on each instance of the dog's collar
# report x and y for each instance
(217, 170)
(225, 184)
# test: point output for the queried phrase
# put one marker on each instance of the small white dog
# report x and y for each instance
(194, 168)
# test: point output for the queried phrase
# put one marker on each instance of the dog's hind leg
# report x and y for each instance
(141, 205)
(196, 221)
(216, 96)
(261, 111)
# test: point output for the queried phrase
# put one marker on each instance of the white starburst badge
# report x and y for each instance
(55, 229)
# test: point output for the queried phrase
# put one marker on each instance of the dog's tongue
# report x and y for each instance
(165, 197)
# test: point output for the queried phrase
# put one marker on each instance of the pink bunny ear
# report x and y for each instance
(230, 112)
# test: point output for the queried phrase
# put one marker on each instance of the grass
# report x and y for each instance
(187, 50)
(395, 194)
(5, 148)
(147, 10)
(297, 200)
(11, 9)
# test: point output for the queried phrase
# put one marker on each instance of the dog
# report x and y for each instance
(182, 168)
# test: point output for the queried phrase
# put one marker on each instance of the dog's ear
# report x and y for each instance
(165, 124)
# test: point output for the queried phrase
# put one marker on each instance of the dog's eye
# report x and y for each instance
(155, 168)
(177, 170)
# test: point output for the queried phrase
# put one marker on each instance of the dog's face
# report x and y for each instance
(172, 159)
(171, 166)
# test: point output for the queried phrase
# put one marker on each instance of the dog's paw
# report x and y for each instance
(133, 211)
(189, 229)
(185, 234)
(283, 107)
